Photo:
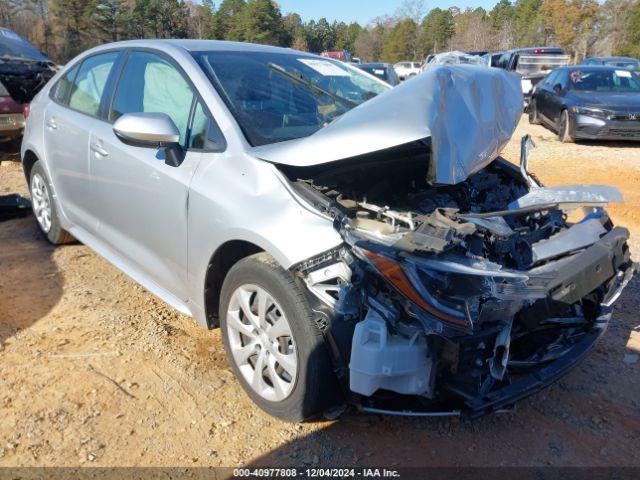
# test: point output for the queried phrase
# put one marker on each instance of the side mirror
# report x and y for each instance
(557, 88)
(151, 130)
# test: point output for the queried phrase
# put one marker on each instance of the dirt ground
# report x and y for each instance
(96, 371)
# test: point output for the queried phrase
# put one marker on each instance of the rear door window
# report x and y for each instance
(89, 84)
(149, 83)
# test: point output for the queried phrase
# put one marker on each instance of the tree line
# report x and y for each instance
(64, 28)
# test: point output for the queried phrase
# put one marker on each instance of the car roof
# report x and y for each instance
(589, 67)
(531, 49)
(202, 46)
(604, 59)
(374, 64)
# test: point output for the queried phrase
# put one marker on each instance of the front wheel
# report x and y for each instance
(273, 344)
(564, 128)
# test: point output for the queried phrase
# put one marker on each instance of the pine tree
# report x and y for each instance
(262, 23)
(72, 19)
(109, 20)
(437, 29)
(400, 43)
(227, 20)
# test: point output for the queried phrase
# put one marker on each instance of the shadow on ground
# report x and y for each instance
(30, 283)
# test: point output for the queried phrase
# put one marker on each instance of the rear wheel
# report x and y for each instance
(44, 207)
(273, 344)
(564, 128)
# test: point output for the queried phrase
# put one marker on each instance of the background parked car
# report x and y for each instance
(589, 102)
(384, 71)
(455, 58)
(23, 72)
(341, 55)
(407, 69)
(622, 62)
(532, 64)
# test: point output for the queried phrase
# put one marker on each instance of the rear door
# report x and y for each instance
(143, 201)
(75, 107)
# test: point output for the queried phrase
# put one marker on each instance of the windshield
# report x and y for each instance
(279, 96)
(14, 47)
(614, 81)
(540, 64)
(630, 64)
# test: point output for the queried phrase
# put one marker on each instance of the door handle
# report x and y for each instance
(97, 148)
(51, 123)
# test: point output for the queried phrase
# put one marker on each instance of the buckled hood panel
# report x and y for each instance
(468, 112)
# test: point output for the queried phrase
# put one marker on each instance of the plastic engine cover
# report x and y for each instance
(390, 362)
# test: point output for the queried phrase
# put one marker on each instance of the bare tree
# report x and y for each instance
(611, 25)
(472, 32)
(413, 9)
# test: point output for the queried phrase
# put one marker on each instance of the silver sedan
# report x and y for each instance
(356, 244)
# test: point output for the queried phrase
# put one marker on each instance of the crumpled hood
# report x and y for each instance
(468, 112)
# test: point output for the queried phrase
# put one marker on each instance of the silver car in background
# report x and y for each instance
(356, 244)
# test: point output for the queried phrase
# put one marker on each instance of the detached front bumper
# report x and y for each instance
(605, 266)
(508, 395)
(605, 261)
(592, 128)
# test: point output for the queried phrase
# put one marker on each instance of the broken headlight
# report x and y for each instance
(448, 297)
(458, 295)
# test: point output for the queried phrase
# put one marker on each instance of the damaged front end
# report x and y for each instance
(462, 298)
(463, 284)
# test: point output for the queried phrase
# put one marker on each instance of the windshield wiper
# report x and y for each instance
(299, 79)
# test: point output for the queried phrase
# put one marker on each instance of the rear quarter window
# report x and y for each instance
(89, 83)
(62, 88)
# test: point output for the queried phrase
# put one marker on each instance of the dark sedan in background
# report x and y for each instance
(589, 102)
(384, 71)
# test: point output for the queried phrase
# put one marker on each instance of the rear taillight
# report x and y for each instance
(26, 110)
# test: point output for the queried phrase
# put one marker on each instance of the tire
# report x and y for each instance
(298, 393)
(564, 128)
(44, 207)
(533, 113)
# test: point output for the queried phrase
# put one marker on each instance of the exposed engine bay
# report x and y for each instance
(24, 79)
(457, 298)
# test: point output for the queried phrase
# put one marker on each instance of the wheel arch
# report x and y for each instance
(29, 159)
(225, 257)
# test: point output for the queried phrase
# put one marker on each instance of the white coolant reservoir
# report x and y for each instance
(391, 362)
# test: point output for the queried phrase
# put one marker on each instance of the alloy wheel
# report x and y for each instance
(261, 342)
(41, 202)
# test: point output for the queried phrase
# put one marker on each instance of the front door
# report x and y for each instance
(143, 201)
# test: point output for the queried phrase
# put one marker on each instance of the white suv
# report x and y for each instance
(407, 69)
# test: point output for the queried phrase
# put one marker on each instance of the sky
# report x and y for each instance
(363, 11)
